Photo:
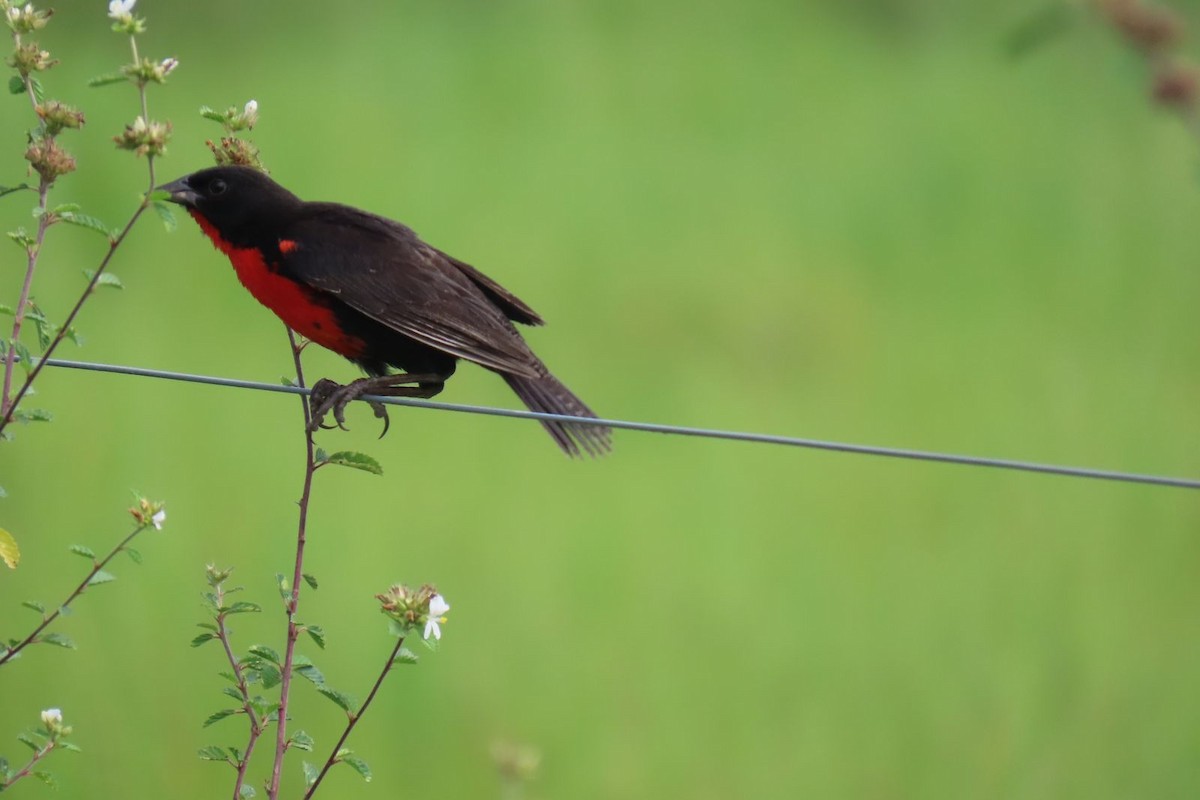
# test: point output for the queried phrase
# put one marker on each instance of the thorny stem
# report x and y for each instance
(26, 770)
(10, 652)
(354, 718)
(7, 406)
(293, 630)
(256, 726)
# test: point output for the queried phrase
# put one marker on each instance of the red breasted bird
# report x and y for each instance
(369, 289)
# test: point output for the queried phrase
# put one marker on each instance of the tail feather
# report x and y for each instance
(547, 395)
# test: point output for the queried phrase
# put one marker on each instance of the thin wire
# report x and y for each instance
(679, 430)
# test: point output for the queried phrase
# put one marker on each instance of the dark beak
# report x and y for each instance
(180, 192)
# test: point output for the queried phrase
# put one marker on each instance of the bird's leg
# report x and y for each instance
(330, 396)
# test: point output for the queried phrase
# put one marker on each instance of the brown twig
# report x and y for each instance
(293, 630)
(354, 718)
(27, 770)
(257, 726)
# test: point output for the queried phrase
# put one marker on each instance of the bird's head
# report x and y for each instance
(237, 201)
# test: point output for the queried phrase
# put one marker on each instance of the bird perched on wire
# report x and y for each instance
(371, 290)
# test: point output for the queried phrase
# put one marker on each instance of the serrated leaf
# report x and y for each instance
(65, 745)
(355, 460)
(241, 607)
(312, 582)
(81, 550)
(34, 606)
(341, 699)
(20, 187)
(320, 456)
(62, 208)
(101, 577)
(264, 652)
(107, 79)
(16, 85)
(232, 691)
(270, 676)
(310, 773)
(302, 741)
(10, 554)
(89, 222)
(358, 765)
(229, 676)
(166, 214)
(46, 778)
(134, 555)
(105, 279)
(39, 93)
(203, 638)
(58, 640)
(217, 716)
(317, 635)
(246, 791)
(405, 656)
(29, 741)
(213, 753)
(398, 629)
(310, 673)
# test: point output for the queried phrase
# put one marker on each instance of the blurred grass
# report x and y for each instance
(854, 222)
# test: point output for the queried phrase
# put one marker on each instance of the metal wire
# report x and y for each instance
(677, 430)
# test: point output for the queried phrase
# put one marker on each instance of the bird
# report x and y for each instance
(371, 290)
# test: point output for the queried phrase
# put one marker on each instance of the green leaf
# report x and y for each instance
(398, 629)
(264, 652)
(264, 708)
(89, 222)
(341, 699)
(16, 85)
(241, 607)
(10, 554)
(215, 116)
(232, 691)
(166, 214)
(58, 640)
(101, 577)
(246, 791)
(203, 638)
(316, 634)
(39, 93)
(13, 189)
(309, 672)
(217, 716)
(312, 583)
(354, 460)
(213, 753)
(270, 676)
(310, 773)
(107, 79)
(65, 745)
(38, 607)
(29, 741)
(134, 555)
(320, 456)
(405, 656)
(62, 208)
(358, 765)
(105, 279)
(301, 741)
(80, 550)
(46, 778)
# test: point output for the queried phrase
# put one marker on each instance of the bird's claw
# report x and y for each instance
(330, 396)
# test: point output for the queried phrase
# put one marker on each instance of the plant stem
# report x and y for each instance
(293, 630)
(256, 727)
(33, 252)
(25, 771)
(11, 652)
(354, 718)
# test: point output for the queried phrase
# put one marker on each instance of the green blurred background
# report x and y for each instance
(852, 221)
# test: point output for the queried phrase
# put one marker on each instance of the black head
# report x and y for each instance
(240, 202)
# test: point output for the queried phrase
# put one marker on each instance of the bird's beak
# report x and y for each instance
(180, 192)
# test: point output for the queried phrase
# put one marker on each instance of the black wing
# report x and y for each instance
(383, 270)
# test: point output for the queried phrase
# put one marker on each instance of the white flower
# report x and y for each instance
(167, 65)
(158, 519)
(251, 108)
(120, 9)
(52, 717)
(437, 607)
(14, 13)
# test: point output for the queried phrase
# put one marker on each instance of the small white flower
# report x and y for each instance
(437, 607)
(167, 65)
(52, 717)
(158, 519)
(14, 13)
(120, 9)
(251, 108)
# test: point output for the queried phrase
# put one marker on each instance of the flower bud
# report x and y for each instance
(30, 58)
(49, 159)
(145, 139)
(56, 116)
(27, 19)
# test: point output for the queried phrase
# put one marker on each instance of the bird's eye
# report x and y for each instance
(217, 187)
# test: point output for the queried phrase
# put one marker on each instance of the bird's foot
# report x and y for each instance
(329, 396)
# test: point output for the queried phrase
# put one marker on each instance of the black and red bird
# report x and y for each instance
(371, 290)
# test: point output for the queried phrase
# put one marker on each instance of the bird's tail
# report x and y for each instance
(547, 395)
